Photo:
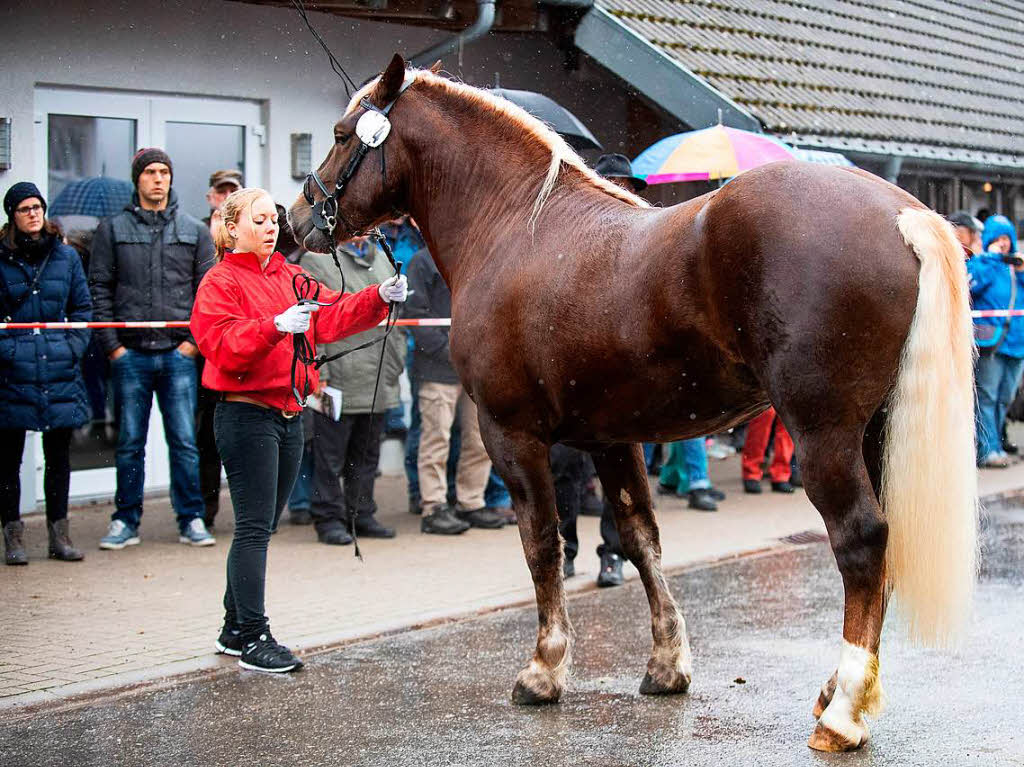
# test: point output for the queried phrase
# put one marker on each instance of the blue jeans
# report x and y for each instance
(300, 499)
(648, 454)
(996, 379)
(172, 377)
(496, 495)
(695, 456)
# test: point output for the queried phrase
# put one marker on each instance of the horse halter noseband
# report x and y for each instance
(372, 129)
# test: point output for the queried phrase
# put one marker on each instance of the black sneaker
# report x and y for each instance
(611, 570)
(229, 642)
(265, 654)
(442, 521)
(487, 519)
(752, 486)
(717, 494)
(782, 487)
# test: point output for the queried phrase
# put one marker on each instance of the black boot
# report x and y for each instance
(702, 500)
(61, 546)
(14, 547)
(442, 521)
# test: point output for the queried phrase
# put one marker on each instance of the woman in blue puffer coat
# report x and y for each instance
(41, 387)
(997, 282)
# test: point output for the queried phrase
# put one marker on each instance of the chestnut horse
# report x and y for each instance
(580, 314)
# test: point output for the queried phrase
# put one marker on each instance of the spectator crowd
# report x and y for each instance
(147, 262)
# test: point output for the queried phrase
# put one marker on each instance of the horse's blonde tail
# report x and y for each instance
(929, 482)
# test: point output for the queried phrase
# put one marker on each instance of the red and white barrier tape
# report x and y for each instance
(436, 322)
(439, 322)
(998, 313)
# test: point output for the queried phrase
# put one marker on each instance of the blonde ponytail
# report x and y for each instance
(230, 209)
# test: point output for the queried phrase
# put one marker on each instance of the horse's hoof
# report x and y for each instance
(532, 689)
(665, 683)
(824, 739)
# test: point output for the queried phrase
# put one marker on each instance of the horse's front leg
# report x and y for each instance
(522, 461)
(624, 479)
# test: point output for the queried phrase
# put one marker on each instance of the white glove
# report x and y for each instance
(394, 289)
(294, 319)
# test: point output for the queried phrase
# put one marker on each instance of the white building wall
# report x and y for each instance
(191, 47)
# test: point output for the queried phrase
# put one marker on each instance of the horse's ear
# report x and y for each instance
(436, 67)
(392, 79)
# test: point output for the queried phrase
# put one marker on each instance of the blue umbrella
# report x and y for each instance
(99, 196)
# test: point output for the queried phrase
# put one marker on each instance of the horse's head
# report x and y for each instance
(354, 188)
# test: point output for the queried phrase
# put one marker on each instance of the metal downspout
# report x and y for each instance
(480, 27)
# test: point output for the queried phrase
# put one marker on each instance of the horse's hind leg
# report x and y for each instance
(522, 461)
(624, 479)
(874, 445)
(839, 484)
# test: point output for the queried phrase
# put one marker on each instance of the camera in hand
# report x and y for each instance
(1014, 259)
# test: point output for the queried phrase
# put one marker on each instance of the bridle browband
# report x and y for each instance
(372, 129)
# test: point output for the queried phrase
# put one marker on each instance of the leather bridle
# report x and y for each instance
(372, 129)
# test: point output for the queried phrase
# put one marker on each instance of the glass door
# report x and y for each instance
(89, 137)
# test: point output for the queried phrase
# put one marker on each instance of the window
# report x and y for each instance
(83, 147)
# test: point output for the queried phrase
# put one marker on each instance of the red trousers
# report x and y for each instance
(756, 443)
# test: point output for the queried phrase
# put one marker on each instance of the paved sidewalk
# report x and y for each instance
(151, 611)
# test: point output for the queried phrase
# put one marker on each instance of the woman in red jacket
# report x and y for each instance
(243, 320)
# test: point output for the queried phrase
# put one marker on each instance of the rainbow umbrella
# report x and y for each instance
(708, 154)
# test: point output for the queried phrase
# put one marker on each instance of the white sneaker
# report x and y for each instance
(119, 535)
(196, 534)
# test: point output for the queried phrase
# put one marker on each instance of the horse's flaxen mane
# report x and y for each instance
(518, 117)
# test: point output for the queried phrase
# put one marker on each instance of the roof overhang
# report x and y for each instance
(664, 81)
(914, 154)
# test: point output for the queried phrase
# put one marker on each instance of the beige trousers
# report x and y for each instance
(438, 404)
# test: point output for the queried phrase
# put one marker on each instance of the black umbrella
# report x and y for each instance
(554, 114)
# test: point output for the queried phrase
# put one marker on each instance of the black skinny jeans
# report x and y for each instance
(56, 478)
(261, 450)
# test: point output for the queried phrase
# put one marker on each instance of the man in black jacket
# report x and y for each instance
(440, 396)
(146, 264)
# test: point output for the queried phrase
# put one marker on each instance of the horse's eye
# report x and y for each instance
(341, 138)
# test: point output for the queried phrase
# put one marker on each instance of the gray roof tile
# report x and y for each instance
(941, 78)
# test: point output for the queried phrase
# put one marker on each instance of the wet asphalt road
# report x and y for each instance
(441, 696)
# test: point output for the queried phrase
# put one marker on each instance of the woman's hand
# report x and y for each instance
(394, 289)
(295, 319)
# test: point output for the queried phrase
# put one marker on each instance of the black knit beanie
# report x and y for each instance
(147, 156)
(19, 193)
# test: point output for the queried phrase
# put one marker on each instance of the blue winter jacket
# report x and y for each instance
(990, 289)
(41, 384)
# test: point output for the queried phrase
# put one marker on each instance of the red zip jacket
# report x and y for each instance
(233, 324)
